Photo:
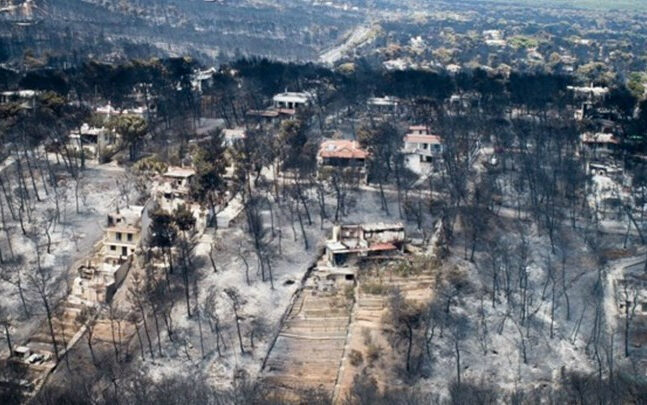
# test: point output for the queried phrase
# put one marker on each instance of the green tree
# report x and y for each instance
(292, 138)
(132, 129)
(384, 144)
(183, 218)
(210, 163)
(163, 234)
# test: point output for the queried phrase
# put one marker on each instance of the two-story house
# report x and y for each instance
(122, 234)
(423, 151)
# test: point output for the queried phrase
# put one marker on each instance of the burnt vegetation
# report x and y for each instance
(524, 239)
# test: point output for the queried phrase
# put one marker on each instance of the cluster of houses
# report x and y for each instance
(599, 146)
(124, 231)
(422, 152)
(95, 141)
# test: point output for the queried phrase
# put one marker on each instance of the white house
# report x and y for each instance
(422, 150)
(27, 98)
(107, 111)
(385, 104)
(202, 79)
(233, 136)
(172, 188)
(93, 140)
(122, 234)
(291, 100)
(99, 278)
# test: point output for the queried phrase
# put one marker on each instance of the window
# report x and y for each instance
(118, 235)
(130, 237)
(113, 247)
(644, 306)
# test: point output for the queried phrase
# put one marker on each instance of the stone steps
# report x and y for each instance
(318, 322)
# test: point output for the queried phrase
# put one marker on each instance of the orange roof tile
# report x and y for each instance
(342, 149)
(377, 247)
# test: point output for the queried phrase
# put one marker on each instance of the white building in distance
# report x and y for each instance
(291, 100)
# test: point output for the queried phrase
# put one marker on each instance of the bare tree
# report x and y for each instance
(406, 319)
(259, 235)
(134, 318)
(137, 299)
(458, 329)
(12, 273)
(210, 308)
(258, 329)
(88, 318)
(236, 302)
(115, 316)
(628, 296)
(186, 251)
(44, 285)
(6, 322)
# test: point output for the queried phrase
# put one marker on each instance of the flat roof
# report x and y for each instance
(131, 215)
(339, 247)
(20, 93)
(263, 113)
(381, 226)
(294, 97)
(384, 101)
(234, 133)
(431, 139)
(179, 172)
(599, 138)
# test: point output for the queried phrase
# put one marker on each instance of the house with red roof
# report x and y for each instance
(342, 153)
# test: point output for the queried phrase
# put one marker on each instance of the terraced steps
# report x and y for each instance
(310, 345)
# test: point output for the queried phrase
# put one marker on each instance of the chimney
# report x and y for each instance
(336, 233)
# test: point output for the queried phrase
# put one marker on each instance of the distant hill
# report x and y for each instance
(58, 32)
(213, 30)
(636, 5)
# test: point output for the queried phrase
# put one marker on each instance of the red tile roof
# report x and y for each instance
(380, 247)
(342, 149)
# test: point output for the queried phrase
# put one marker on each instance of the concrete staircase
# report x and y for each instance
(311, 342)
